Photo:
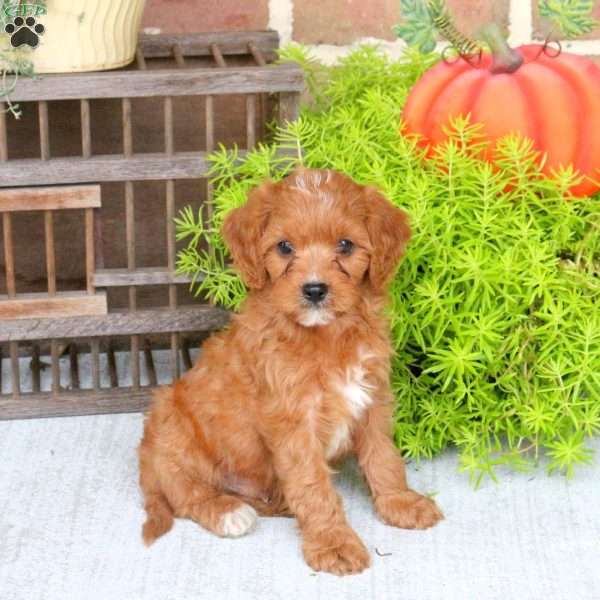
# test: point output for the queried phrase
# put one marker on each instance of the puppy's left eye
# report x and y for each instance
(345, 247)
(285, 248)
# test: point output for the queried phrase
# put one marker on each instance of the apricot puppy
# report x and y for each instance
(298, 380)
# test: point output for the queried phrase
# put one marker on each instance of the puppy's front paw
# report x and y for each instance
(408, 510)
(340, 552)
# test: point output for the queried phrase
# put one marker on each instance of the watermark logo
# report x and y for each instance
(21, 22)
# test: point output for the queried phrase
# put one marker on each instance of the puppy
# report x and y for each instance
(298, 380)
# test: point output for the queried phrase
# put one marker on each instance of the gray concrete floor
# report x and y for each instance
(71, 514)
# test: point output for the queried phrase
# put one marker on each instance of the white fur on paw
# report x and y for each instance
(238, 522)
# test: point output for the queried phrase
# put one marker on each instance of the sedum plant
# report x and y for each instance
(494, 310)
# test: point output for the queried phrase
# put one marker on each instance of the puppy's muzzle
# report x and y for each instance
(315, 292)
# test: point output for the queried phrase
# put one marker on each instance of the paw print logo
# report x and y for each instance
(24, 31)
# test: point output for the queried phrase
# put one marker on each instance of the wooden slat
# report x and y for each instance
(168, 126)
(127, 130)
(178, 54)
(86, 129)
(289, 107)
(44, 130)
(74, 366)
(171, 251)
(90, 259)
(170, 224)
(139, 276)
(174, 359)
(250, 121)
(36, 368)
(55, 366)
(210, 146)
(161, 82)
(9, 255)
(98, 240)
(130, 240)
(42, 306)
(95, 355)
(50, 251)
(210, 124)
(260, 61)
(150, 369)
(140, 59)
(112, 366)
(15, 372)
(257, 54)
(150, 166)
(215, 50)
(129, 201)
(198, 44)
(185, 353)
(184, 319)
(48, 198)
(134, 360)
(80, 402)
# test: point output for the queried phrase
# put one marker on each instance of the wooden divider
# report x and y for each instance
(49, 200)
(134, 351)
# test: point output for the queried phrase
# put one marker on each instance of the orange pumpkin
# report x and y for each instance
(555, 101)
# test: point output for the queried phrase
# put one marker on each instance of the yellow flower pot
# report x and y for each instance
(75, 35)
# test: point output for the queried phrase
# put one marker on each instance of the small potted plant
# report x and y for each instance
(69, 35)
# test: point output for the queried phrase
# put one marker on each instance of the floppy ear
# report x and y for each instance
(242, 230)
(389, 233)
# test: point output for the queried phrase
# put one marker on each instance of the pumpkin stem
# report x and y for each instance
(504, 58)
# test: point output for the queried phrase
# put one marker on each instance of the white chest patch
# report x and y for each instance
(356, 389)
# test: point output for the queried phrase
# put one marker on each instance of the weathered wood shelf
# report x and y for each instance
(163, 82)
(141, 167)
(141, 322)
(76, 402)
(143, 276)
(194, 44)
(60, 305)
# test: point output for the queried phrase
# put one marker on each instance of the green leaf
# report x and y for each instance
(573, 18)
(567, 451)
(417, 29)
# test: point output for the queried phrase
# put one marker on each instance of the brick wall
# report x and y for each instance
(330, 27)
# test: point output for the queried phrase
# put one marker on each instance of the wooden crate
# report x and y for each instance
(107, 307)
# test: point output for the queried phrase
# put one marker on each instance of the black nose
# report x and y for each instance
(315, 292)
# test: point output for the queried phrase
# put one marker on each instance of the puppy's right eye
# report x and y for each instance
(285, 248)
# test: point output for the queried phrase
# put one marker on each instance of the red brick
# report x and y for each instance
(344, 21)
(471, 15)
(176, 16)
(541, 27)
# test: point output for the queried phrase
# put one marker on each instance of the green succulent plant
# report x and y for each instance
(495, 310)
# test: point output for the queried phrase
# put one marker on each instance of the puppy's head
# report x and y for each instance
(314, 242)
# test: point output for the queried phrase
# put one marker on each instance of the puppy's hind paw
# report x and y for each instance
(408, 510)
(238, 522)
